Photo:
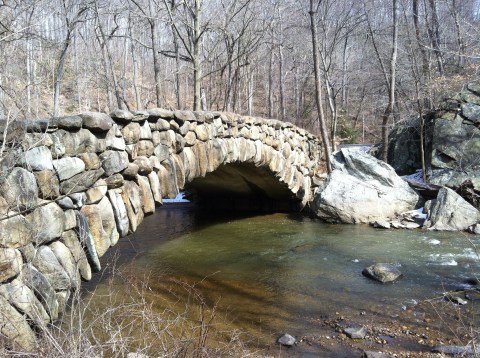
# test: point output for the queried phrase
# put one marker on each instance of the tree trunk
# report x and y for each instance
(344, 75)
(270, 85)
(435, 37)
(281, 84)
(138, 102)
(425, 63)
(318, 89)
(59, 76)
(460, 41)
(156, 62)
(250, 86)
(391, 91)
(197, 71)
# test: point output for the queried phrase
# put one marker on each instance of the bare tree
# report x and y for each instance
(389, 75)
(318, 85)
(73, 13)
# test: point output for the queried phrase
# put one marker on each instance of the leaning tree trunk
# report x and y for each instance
(318, 90)
(59, 76)
(391, 89)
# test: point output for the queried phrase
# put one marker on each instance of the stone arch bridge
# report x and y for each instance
(70, 187)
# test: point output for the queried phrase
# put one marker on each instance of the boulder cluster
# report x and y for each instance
(363, 189)
(452, 142)
(74, 185)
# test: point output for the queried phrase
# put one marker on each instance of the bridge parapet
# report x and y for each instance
(70, 187)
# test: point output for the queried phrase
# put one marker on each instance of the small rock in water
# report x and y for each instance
(455, 299)
(356, 332)
(370, 354)
(456, 350)
(382, 272)
(286, 340)
(397, 225)
(410, 225)
(380, 224)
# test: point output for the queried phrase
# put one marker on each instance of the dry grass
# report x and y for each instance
(123, 319)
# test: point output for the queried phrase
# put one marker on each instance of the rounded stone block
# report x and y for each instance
(97, 122)
(47, 222)
(39, 158)
(16, 231)
(10, 263)
(20, 189)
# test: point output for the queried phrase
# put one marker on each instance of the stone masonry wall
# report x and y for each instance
(71, 187)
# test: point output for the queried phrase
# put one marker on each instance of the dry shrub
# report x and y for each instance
(118, 319)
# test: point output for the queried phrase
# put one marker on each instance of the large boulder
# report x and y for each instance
(404, 146)
(362, 189)
(452, 142)
(450, 212)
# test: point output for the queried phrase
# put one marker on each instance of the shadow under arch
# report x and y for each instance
(242, 187)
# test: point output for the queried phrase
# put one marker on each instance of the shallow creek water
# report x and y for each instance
(277, 273)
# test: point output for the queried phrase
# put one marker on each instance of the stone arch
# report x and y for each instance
(79, 183)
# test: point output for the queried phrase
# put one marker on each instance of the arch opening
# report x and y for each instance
(242, 187)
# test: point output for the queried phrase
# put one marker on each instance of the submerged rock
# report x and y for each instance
(370, 354)
(455, 298)
(382, 272)
(356, 332)
(381, 224)
(286, 340)
(456, 350)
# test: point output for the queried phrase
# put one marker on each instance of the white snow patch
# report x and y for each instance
(178, 199)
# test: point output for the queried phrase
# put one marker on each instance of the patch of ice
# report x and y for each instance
(178, 199)
(434, 242)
